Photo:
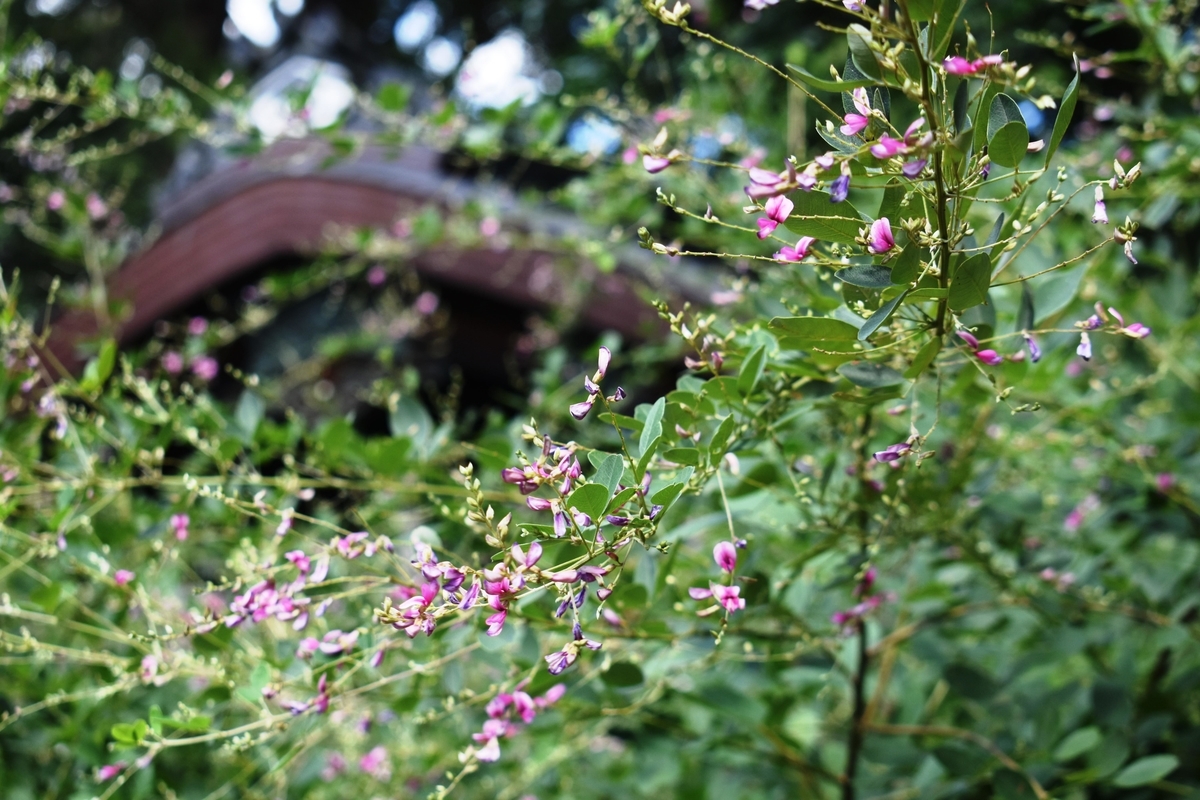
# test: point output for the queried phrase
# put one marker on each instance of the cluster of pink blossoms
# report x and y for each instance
(957, 65)
(728, 596)
(507, 712)
(868, 601)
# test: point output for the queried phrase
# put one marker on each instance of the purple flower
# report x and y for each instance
(559, 661)
(839, 189)
(1085, 347)
(911, 169)
(893, 452)
(580, 410)
(852, 5)
(728, 597)
(725, 554)
(880, 239)
(1100, 213)
(1135, 330)
(777, 209)
(376, 764)
(1035, 352)
(798, 252)
(619, 521)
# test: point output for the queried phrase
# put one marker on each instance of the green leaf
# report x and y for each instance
(868, 276)
(828, 84)
(969, 286)
(644, 458)
(752, 370)
(1146, 770)
(818, 216)
(858, 38)
(252, 692)
(608, 474)
(652, 424)
(683, 455)
(140, 729)
(997, 229)
(591, 499)
(1077, 743)
(908, 266)
(943, 27)
(620, 499)
(921, 10)
(621, 421)
(1026, 316)
(962, 96)
(623, 674)
(838, 140)
(249, 413)
(980, 137)
(156, 720)
(802, 331)
(1008, 138)
(893, 196)
(880, 316)
(197, 724)
(720, 440)
(668, 494)
(870, 376)
(1066, 110)
(123, 732)
(393, 96)
(924, 358)
(99, 368)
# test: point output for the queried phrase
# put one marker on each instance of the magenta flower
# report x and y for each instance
(764, 183)
(1100, 213)
(887, 147)
(655, 164)
(1165, 481)
(957, 65)
(778, 209)
(989, 357)
(109, 771)
(880, 239)
(839, 189)
(179, 523)
(796, 253)
(308, 646)
(197, 326)
(893, 452)
(855, 123)
(56, 200)
(727, 597)
(912, 169)
(725, 554)
(123, 576)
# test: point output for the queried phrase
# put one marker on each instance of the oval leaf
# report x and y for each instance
(868, 276)
(871, 376)
(816, 215)
(590, 499)
(752, 370)
(970, 284)
(1008, 137)
(827, 84)
(1146, 770)
(1078, 743)
(1066, 110)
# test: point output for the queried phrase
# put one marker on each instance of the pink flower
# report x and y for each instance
(957, 65)
(887, 147)
(426, 303)
(308, 646)
(759, 5)
(205, 368)
(149, 668)
(855, 123)
(172, 362)
(376, 764)
(1100, 213)
(179, 523)
(56, 200)
(796, 253)
(123, 576)
(725, 554)
(655, 164)
(1164, 481)
(109, 771)
(197, 326)
(96, 209)
(893, 452)
(989, 357)
(881, 240)
(778, 209)
(727, 596)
